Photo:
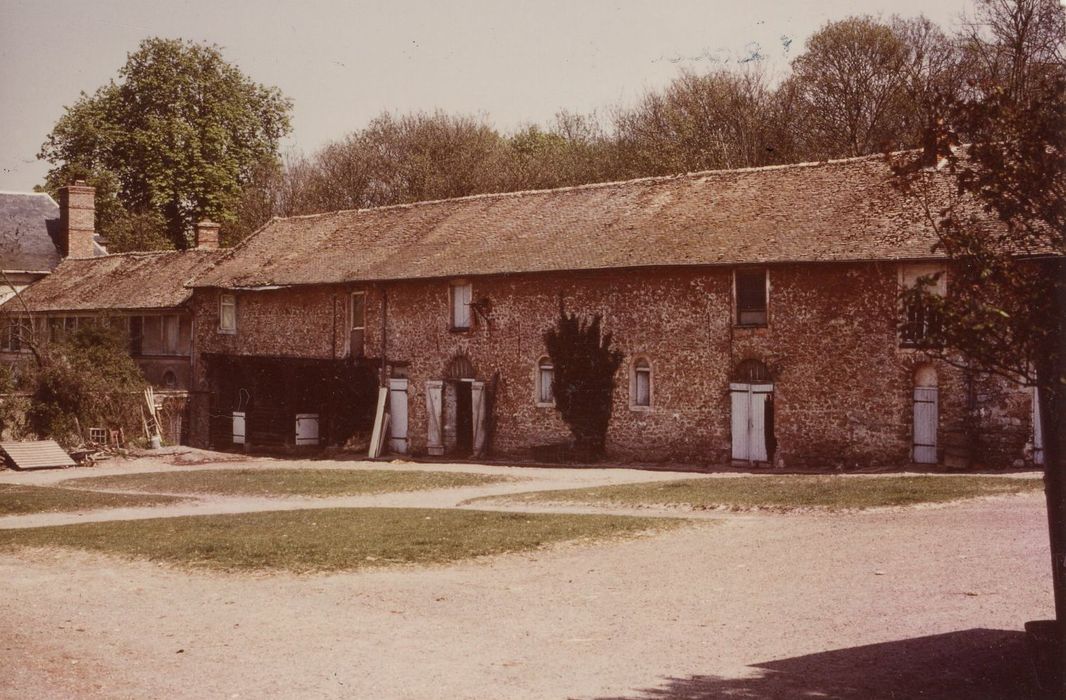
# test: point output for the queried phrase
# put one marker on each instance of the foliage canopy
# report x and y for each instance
(173, 140)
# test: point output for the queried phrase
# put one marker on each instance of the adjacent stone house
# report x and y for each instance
(145, 294)
(757, 311)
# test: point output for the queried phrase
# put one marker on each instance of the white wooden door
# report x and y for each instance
(434, 444)
(238, 427)
(398, 415)
(748, 404)
(925, 424)
(306, 429)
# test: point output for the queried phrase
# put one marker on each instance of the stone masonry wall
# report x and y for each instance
(842, 385)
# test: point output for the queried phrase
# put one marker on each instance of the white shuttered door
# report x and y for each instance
(925, 423)
(740, 398)
(748, 403)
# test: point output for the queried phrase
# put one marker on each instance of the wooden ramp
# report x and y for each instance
(38, 454)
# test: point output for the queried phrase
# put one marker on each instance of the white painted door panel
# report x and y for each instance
(477, 401)
(925, 424)
(398, 414)
(741, 409)
(434, 445)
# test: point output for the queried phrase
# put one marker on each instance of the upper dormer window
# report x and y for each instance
(750, 287)
(461, 295)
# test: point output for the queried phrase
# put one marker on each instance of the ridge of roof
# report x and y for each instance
(14, 193)
(146, 254)
(588, 186)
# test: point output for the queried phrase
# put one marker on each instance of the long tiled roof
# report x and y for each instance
(126, 281)
(830, 211)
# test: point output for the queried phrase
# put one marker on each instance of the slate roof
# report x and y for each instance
(124, 281)
(830, 211)
(29, 228)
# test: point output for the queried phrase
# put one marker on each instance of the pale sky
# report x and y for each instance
(343, 62)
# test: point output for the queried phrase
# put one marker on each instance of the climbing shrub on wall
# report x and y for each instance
(86, 380)
(584, 366)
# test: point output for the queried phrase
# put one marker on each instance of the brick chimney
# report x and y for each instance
(77, 220)
(207, 235)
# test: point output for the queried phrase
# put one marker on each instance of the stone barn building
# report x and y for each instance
(757, 311)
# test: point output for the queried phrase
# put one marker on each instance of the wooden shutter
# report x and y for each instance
(1038, 429)
(757, 436)
(925, 424)
(398, 413)
(477, 402)
(740, 400)
(433, 417)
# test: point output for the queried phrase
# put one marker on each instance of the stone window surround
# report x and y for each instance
(765, 323)
(908, 274)
(641, 364)
(224, 300)
(453, 286)
(543, 363)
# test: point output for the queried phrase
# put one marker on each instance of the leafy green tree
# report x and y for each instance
(584, 366)
(174, 139)
(1005, 311)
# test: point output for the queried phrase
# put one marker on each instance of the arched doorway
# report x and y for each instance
(926, 415)
(751, 396)
(456, 410)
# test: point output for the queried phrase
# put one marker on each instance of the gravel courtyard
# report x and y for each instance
(923, 601)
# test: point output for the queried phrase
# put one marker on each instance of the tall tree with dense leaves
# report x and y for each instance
(1005, 311)
(850, 82)
(174, 139)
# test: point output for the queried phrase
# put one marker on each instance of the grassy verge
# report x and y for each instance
(330, 539)
(284, 482)
(786, 492)
(18, 500)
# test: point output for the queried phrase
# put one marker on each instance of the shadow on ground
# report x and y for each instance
(977, 663)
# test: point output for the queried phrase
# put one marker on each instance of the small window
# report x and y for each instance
(152, 335)
(227, 313)
(171, 335)
(13, 333)
(461, 294)
(751, 297)
(921, 323)
(641, 383)
(545, 382)
(57, 329)
(170, 380)
(136, 335)
(358, 323)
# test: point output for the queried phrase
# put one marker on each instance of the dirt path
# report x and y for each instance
(925, 602)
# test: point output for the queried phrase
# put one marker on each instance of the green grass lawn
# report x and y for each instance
(284, 482)
(330, 539)
(19, 500)
(786, 492)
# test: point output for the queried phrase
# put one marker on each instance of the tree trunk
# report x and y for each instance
(1052, 412)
